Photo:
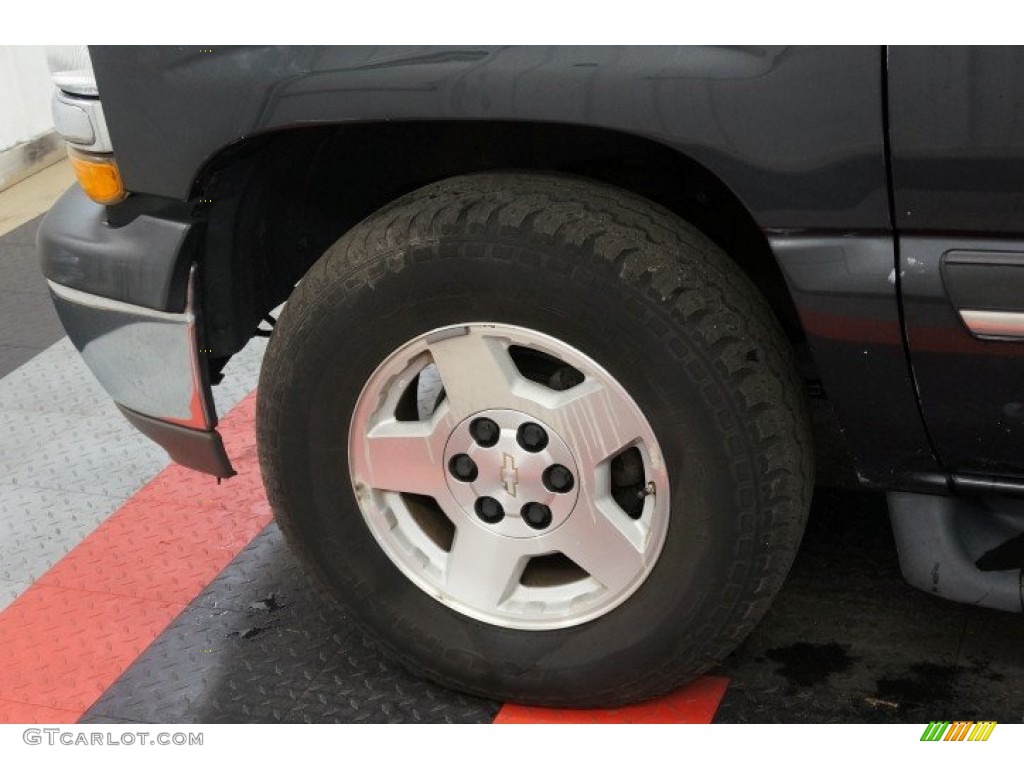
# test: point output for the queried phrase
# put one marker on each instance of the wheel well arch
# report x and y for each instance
(275, 202)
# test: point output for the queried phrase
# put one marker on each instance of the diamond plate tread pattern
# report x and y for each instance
(19, 712)
(39, 526)
(257, 646)
(693, 703)
(101, 720)
(169, 552)
(9, 591)
(240, 375)
(92, 454)
(380, 693)
(13, 357)
(68, 458)
(27, 433)
(46, 626)
(69, 636)
(58, 381)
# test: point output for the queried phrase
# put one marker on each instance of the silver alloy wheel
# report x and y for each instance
(516, 522)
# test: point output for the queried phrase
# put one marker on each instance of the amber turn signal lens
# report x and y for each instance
(98, 175)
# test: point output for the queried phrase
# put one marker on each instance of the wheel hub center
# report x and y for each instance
(511, 473)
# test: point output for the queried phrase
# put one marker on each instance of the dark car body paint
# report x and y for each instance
(971, 389)
(844, 291)
(797, 134)
(957, 143)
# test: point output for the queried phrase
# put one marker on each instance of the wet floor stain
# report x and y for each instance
(915, 658)
(807, 664)
(923, 683)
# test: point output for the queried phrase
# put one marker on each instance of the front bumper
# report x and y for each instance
(148, 360)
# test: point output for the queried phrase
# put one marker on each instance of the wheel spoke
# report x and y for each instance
(405, 456)
(522, 470)
(596, 421)
(483, 568)
(603, 541)
(476, 371)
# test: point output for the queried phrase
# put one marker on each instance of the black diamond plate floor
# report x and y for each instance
(846, 641)
(257, 646)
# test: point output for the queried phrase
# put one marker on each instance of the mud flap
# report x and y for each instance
(960, 548)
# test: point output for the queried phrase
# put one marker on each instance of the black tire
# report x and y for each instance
(640, 291)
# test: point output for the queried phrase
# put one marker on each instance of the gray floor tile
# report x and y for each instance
(28, 320)
(94, 454)
(10, 590)
(25, 433)
(20, 272)
(23, 235)
(57, 381)
(241, 375)
(12, 358)
(68, 458)
(39, 526)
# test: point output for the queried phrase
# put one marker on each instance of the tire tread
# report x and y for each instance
(705, 293)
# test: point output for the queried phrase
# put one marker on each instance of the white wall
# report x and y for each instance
(25, 91)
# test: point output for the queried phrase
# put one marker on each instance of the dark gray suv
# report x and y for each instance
(537, 410)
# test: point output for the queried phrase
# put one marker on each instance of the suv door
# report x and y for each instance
(956, 121)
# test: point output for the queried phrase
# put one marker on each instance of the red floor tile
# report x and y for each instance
(160, 549)
(13, 712)
(72, 633)
(695, 703)
(63, 647)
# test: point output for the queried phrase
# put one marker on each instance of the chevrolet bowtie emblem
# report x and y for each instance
(509, 474)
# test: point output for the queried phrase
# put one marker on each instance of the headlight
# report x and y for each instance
(78, 118)
(71, 69)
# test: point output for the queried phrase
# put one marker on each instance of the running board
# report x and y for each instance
(965, 549)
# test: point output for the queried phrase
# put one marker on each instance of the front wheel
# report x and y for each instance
(540, 437)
